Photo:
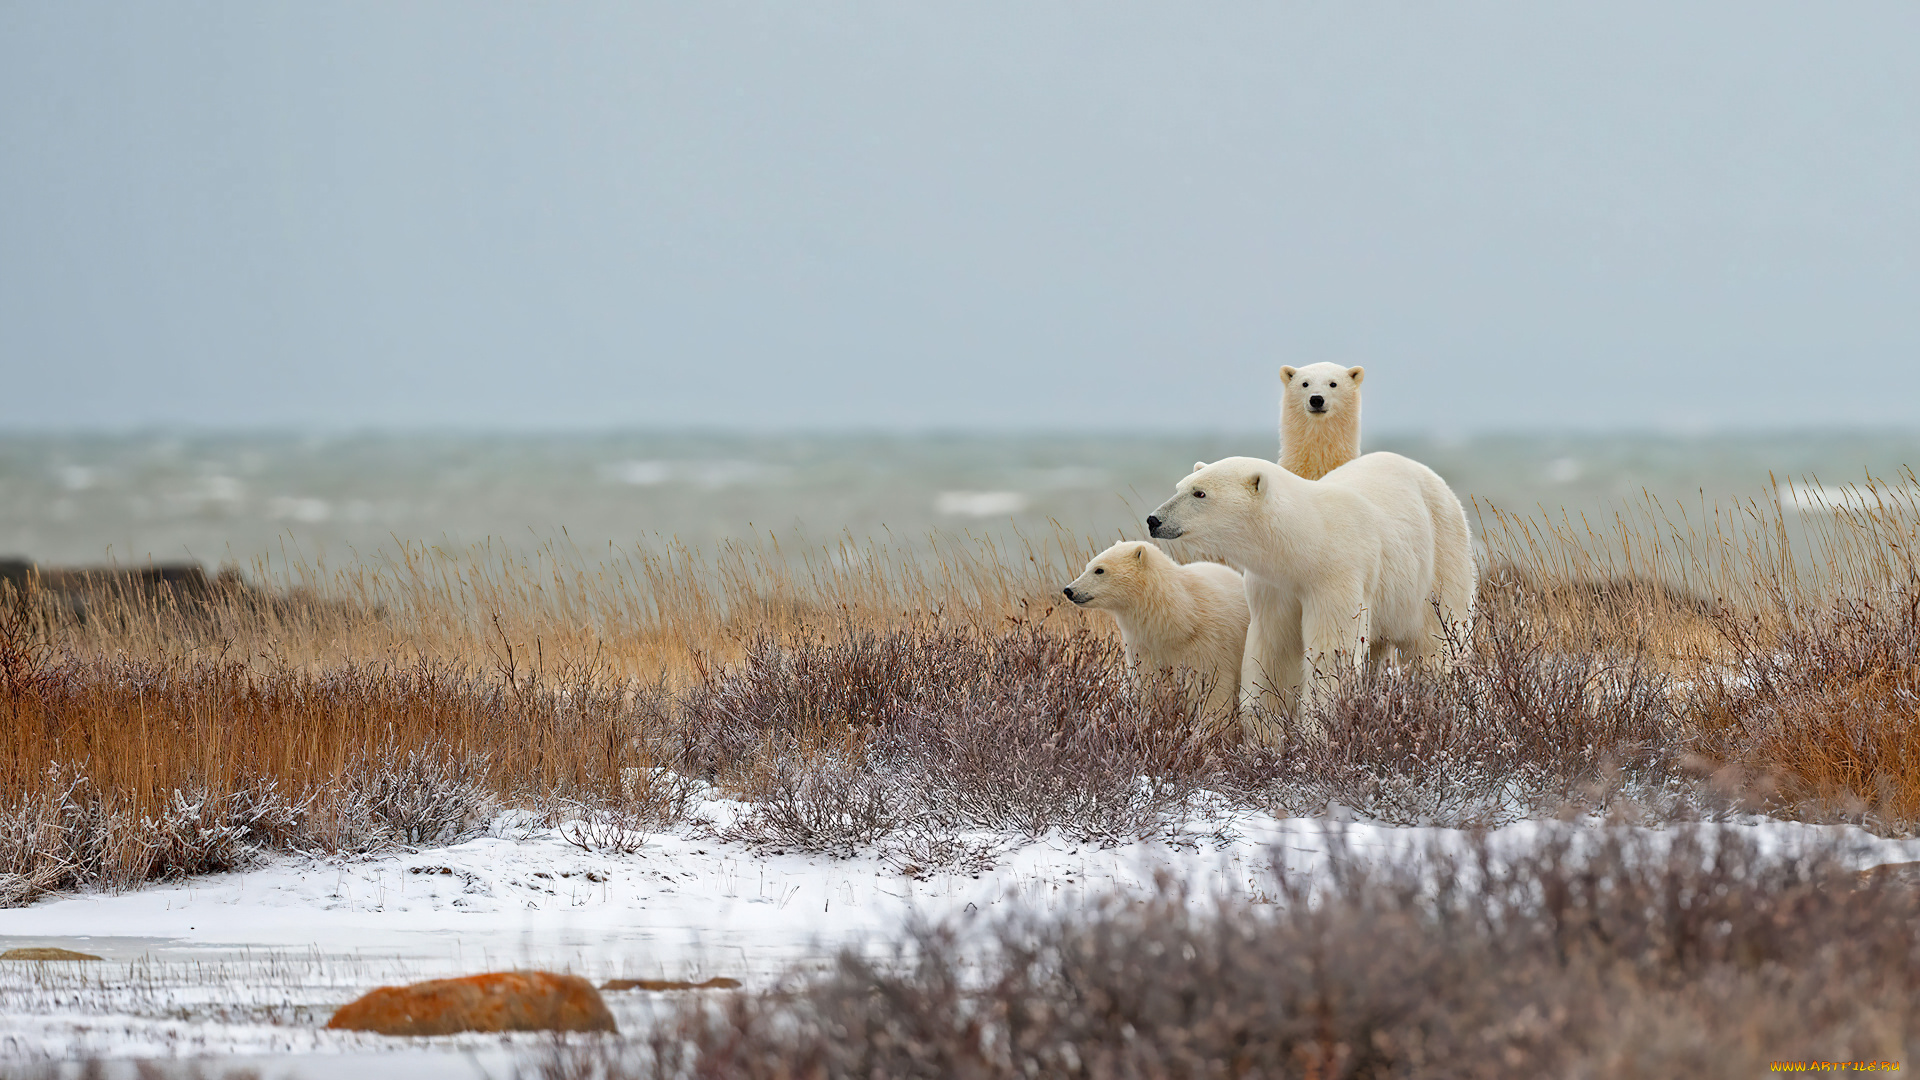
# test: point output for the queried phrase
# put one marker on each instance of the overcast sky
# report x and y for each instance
(812, 215)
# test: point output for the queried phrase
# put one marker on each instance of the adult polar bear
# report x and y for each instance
(1354, 561)
(1319, 418)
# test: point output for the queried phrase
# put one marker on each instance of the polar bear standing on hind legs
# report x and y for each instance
(1338, 568)
(1319, 432)
(1319, 418)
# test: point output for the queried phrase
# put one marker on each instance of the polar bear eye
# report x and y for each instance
(1331, 385)
(1199, 494)
(1099, 569)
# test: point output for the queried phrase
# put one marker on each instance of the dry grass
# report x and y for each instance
(659, 612)
(117, 768)
(1786, 626)
(1823, 717)
(860, 696)
(1662, 579)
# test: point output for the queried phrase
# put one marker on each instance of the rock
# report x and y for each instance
(45, 954)
(497, 1001)
(717, 983)
(1899, 873)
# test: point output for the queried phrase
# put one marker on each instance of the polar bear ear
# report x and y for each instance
(1287, 374)
(1140, 552)
(1357, 374)
(1198, 465)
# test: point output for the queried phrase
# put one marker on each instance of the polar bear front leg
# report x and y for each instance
(1334, 622)
(1254, 705)
(1270, 664)
(1377, 652)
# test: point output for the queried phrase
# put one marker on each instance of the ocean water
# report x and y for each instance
(233, 498)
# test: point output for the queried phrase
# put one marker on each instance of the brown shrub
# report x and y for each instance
(1609, 958)
(1024, 729)
(1514, 728)
(1822, 718)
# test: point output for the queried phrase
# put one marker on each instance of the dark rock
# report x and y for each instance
(717, 983)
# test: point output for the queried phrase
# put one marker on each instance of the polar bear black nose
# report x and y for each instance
(1153, 522)
(1317, 402)
(1067, 592)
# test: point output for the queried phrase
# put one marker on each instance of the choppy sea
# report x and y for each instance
(70, 499)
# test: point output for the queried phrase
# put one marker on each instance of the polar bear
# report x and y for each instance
(1319, 431)
(1319, 418)
(1171, 615)
(1337, 569)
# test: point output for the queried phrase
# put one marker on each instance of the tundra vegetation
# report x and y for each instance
(1666, 666)
(1591, 954)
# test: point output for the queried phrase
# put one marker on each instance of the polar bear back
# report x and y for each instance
(1423, 533)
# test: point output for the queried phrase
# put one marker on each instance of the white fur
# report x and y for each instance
(1313, 442)
(1171, 615)
(1336, 569)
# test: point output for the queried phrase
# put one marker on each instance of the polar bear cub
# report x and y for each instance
(1319, 418)
(1338, 570)
(1171, 615)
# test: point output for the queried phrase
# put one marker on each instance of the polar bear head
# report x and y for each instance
(1116, 576)
(1321, 391)
(1217, 501)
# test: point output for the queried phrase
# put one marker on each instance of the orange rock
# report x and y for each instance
(715, 983)
(497, 1001)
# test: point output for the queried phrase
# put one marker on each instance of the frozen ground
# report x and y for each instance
(253, 963)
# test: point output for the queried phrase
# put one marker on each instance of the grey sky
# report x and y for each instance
(884, 215)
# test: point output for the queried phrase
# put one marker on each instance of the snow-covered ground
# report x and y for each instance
(253, 963)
